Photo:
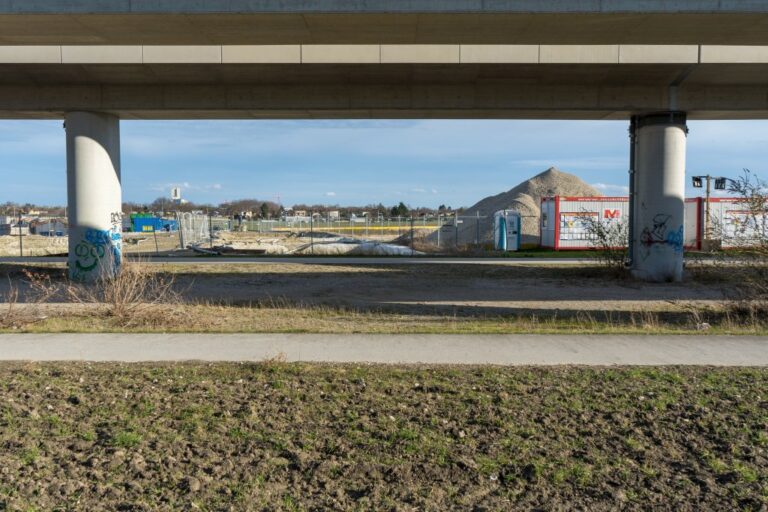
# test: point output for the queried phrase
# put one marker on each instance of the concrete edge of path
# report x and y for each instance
(597, 350)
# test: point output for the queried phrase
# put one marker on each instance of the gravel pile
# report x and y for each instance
(525, 198)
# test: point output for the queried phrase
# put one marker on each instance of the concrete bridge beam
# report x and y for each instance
(94, 195)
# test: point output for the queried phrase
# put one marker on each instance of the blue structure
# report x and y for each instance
(153, 224)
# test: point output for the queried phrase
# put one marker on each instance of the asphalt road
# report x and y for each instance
(391, 349)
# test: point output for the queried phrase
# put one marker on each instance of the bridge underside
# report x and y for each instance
(495, 91)
(743, 22)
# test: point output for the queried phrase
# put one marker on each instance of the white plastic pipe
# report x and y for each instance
(94, 195)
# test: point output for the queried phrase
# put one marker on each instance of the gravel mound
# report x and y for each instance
(525, 198)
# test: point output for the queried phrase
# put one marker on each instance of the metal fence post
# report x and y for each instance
(21, 237)
(438, 231)
(180, 222)
(412, 235)
(456, 236)
(477, 229)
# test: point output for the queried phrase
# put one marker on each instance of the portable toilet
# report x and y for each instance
(507, 230)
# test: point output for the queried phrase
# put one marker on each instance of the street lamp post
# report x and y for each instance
(720, 183)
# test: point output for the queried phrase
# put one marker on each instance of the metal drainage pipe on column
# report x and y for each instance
(94, 195)
(631, 220)
(659, 209)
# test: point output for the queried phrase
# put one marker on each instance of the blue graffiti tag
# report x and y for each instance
(96, 244)
(97, 237)
(676, 239)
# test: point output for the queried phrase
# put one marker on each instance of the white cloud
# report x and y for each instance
(425, 139)
(330, 194)
(418, 190)
(609, 189)
(32, 137)
(162, 187)
(574, 164)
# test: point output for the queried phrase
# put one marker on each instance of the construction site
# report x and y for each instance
(550, 209)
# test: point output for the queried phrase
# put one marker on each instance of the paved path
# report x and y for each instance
(391, 349)
(320, 260)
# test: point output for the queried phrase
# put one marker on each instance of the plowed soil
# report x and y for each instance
(312, 437)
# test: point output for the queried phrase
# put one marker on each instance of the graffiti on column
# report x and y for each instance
(661, 234)
(116, 239)
(100, 250)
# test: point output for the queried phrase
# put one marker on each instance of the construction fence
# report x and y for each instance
(440, 231)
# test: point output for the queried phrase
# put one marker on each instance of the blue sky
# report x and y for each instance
(423, 163)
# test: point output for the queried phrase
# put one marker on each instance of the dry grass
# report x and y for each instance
(277, 316)
(16, 315)
(744, 278)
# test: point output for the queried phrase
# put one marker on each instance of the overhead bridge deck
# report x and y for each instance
(582, 59)
(384, 81)
(189, 22)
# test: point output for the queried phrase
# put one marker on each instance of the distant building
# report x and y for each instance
(176, 196)
(14, 230)
(52, 227)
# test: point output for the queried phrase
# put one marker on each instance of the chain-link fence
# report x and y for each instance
(442, 232)
(463, 231)
(360, 227)
(194, 229)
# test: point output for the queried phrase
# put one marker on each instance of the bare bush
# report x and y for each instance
(20, 310)
(134, 297)
(137, 296)
(41, 287)
(610, 239)
(750, 238)
(10, 317)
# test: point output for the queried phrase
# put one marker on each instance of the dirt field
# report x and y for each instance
(307, 437)
(492, 289)
(426, 286)
(34, 245)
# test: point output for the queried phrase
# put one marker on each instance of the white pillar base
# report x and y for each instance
(94, 195)
(659, 206)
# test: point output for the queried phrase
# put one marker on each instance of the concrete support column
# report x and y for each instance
(658, 209)
(94, 196)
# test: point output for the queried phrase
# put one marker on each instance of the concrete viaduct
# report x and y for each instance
(655, 63)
